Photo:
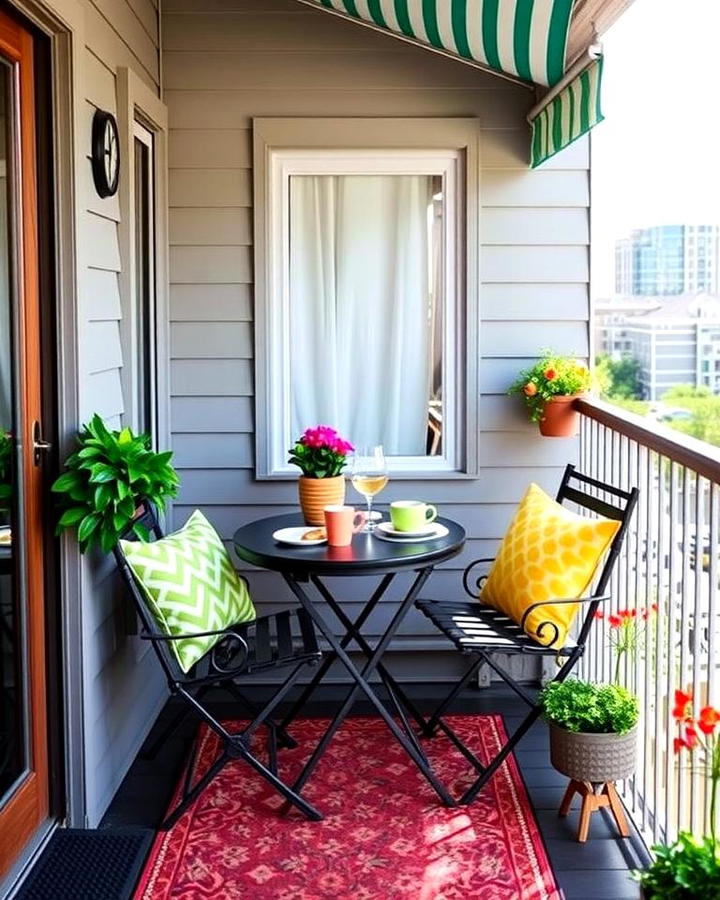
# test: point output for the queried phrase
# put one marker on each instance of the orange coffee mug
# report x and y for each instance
(341, 523)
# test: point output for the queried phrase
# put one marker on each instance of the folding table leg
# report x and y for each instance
(352, 630)
(353, 633)
(361, 684)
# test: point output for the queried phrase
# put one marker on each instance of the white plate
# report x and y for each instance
(293, 536)
(387, 528)
(438, 531)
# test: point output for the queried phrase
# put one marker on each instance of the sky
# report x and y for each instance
(656, 157)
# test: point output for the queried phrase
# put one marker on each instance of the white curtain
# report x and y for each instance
(359, 307)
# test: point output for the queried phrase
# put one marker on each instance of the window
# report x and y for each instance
(361, 298)
(144, 300)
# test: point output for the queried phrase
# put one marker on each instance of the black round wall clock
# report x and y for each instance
(105, 153)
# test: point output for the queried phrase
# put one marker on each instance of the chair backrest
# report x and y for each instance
(605, 500)
(147, 516)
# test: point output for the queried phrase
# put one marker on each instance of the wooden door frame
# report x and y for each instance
(28, 806)
(63, 23)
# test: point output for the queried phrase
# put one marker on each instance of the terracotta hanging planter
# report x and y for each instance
(317, 493)
(559, 417)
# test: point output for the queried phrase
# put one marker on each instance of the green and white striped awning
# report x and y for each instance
(525, 39)
(569, 115)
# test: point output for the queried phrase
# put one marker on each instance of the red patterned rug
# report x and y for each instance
(384, 835)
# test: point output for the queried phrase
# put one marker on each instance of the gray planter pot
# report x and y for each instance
(593, 757)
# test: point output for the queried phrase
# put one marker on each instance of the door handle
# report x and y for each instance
(40, 446)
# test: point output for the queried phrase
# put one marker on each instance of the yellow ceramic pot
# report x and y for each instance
(317, 493)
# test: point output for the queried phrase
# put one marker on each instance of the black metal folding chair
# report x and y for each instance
(261, 645)
(481, 632)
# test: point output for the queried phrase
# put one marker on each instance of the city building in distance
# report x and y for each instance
(675, 341)
(668, 260)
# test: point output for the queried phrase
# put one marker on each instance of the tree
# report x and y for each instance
(618, 379)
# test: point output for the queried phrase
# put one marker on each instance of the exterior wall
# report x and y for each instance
(226, 61)
(121, 685)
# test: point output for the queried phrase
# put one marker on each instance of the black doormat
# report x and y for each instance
(88, 865)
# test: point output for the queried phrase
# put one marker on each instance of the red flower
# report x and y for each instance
(614, 620)
(599, 614)
(550, 374)
(682, 702)
(689, 742)
(530, 389)
(708, 719)
(654, 607)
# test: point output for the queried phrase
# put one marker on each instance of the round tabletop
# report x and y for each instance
(366, 555)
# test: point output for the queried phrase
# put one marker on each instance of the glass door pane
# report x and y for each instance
(13, 705)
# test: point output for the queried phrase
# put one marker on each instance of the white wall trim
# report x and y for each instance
(350, 145)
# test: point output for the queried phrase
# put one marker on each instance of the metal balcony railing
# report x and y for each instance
(670, 566)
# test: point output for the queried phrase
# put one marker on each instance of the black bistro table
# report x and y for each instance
(367, 555)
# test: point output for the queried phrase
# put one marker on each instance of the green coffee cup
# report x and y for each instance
(411, 515)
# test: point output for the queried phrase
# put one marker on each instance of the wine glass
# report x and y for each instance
(369, 475)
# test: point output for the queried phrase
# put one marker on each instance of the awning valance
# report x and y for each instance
(568, 115)
(525, 39)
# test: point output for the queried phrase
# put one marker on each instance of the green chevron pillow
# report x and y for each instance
(191, 585)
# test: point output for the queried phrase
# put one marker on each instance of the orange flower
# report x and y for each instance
(708, 719)
(550, 374)
(530, 389)
(682, 702)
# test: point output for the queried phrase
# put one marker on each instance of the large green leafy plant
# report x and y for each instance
(107, 478)
(595, 708)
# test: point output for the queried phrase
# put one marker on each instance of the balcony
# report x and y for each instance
(670, 563)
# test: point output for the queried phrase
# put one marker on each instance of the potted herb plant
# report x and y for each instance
(549, 388)
(321, 455)
(109, 475)
(593, 740)
(689, 867)
(593, 729)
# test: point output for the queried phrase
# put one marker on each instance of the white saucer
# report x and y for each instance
(293, 537)
(437, 531)
(388, 529)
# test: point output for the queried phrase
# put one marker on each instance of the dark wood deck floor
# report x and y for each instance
(596, 870)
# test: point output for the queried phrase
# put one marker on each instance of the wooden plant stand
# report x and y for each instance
(594, 797)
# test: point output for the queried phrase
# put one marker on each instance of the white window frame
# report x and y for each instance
(139, 109)
(146, 137)
(447, 148)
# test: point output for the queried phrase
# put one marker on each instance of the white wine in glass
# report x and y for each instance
(369, 475)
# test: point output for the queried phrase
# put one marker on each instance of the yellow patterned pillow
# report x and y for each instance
(548, 553)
